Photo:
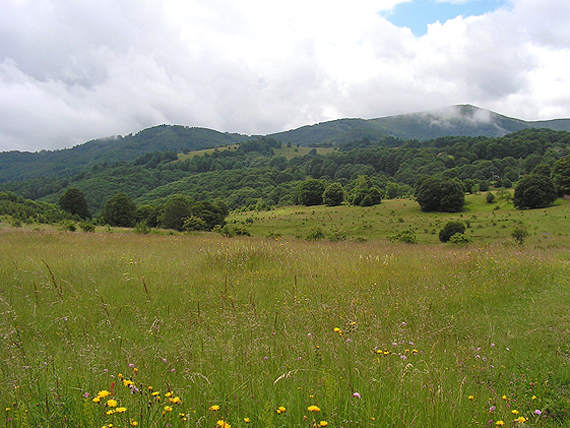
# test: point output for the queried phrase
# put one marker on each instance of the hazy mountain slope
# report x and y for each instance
(21, 165)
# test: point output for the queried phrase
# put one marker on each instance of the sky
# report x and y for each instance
(71, 71)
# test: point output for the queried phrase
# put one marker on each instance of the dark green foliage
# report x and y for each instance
(174, 212)
(311, 192)
(451, 228)
(315, 233)
(542, 169)
(534, 191)
(212, 214)
(365, 193)
(490, 197)
(26, 211)
(407, 237)
(507, 184)
(87, 226)
(73, 202)
(440, 194)
(519, 234)
(232, 230)
(193, 223)
(484, 186)
(119, 211)
(459, 239)
(561, 176)
(333, 194)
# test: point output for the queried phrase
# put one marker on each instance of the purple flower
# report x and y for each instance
(86, 395)
(537, 412)
(492, 409)
(356, 395)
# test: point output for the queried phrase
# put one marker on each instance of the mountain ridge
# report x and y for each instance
(459, 120)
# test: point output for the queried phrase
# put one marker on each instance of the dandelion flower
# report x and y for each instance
(323, 423)
(223, 424)
(110, 412)
(167, 409)
(133, 423)
(534, 397)
(168, 394)
(504, 397)
(112, 403)
(500, 423)
(246, 420)
(515, 412)
(121, 409)
(96, 399)
(520, 420)
(104, 393)
(471, 397)
(214, 408)
(175, 400)
(313, 409)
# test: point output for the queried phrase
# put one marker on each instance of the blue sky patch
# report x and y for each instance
(417, 14)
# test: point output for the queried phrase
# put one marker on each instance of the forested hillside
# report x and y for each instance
(256, 172)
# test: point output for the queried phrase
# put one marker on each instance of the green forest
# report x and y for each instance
(263, 172)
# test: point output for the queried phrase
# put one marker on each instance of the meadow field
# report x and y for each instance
(121, 329)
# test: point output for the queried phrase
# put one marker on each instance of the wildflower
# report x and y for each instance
(534, 397)
(127, 382)
(313, 409)
(500, 423)
(96, 399)
(167, 409)
(471, 397)
(246, 420)
(155, 393)
(133, 423)
(504, 397)
(520, 420)
(356, 395)
(492, 409)
(112, 403)
(104, 393)
(223, 424)
(214, 408)
(323, 423)
(110, 412)
(537, 412)
(281, 410)
(336, 329)
(168, 394)
(515, 412)
(175, 400)
(121, 409)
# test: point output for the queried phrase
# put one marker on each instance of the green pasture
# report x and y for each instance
(288, 152)
(119, 329)
(486, 223)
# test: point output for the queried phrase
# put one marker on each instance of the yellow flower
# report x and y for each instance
(313, 409)
(96, 399)
(499, 423)
(246, 420)
(336, 329)
(121, 409)
(112, 403)
(214, 408)
(167, 409)
(104, 393)
(471, 397)
(323, 423)
(175, 400)
(223, 424)
(504, 397)
(110, 412)
(520, 420)
(133, 423)
(168, 394)
(281, 410)
(128, 382)
(515, 412)
(534, 397)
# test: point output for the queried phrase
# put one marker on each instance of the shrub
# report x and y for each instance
(440, 194)
(407, 236)
(534, 191)
(311, 192)
(459, 239)
(193, 223)
(519, 234)
(333, 194)
(490, 197)
(87, 226)
(142, 228)
(450, 229)
(315, 233)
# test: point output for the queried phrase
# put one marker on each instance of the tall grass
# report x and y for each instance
(228, 331)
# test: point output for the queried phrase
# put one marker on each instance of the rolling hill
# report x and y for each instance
(461, 120)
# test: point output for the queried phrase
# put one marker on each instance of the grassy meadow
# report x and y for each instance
(119, 329)
(486, 223)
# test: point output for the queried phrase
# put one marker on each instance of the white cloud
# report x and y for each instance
(71, 71)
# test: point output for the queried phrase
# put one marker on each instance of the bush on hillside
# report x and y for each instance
(450, 229)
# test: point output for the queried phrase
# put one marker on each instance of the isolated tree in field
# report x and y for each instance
(440, 194)
(119, 211)
(534, 191)
(174, 212)
(519, 234)
(211, 213)
(333, 194)
(365, 193)
(561, 176)
(73, 201)
(450, 229)
(311, 192)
